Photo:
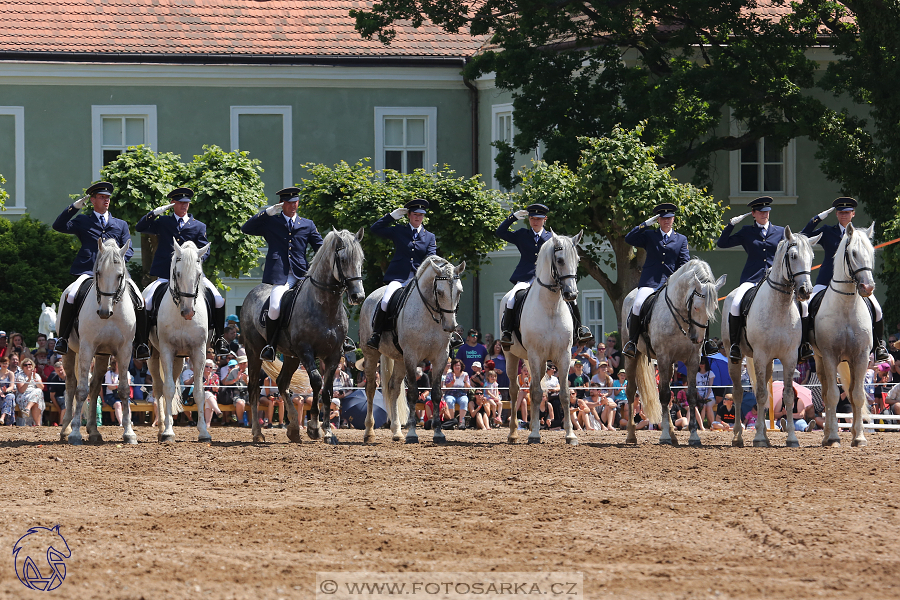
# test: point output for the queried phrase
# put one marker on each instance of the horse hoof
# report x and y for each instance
(129, 439)
(63, 438)
(632, 441)
(313, 434)
(204, 440)
(259, 438)
(737, 443)
(95, 438)
(397, 438)
(761, 444)
(695, 443)
(331, 440)
(369, 439)
(858, 443)
(75, 441)
(668, 442)
(412, 439)
(534, 440)
(440, 440)
(512, 439)
(294, 435)
(572, 441)
(792, 444)
(831, 443)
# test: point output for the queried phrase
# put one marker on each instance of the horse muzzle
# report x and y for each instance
(188, 314)
(570, 295)
(804, 292)
(104, 313)
(865, 290)
(356, 298)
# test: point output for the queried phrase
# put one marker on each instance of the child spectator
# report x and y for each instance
(725, 415)
(492, 395)
(523, 399)
(483, 408)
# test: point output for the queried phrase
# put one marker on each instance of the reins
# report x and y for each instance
(175, 292)
(853, 279)
(791, 285)
(558, 279)
(436, 310)
(690, 309)
(120, 287)
(342, 280)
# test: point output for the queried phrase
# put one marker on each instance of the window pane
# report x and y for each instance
(415, 159)
(393, 132)
(393, 159)
(110, 155)
(772, 181)
(112, 131)
(750, 154)
(772, 153)
(504, 128)
(749, 182)
(134, 132)
(415, 132)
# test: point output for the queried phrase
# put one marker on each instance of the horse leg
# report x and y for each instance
(158, 395)
(198, 359)
(694, 401)
(288, 368)
(124, 357)
(253, 396)
(667, 435)
(166, 409)
(858, 399)
(327, 395)
(412, 396)
(536, 392)
(737, 393)
(315, 381)
(438, 437)
(762, 370)
(630, 389)
(71, 381)
(81, 392)
(831, 436)
(571, 438)
(787, 401)
(513, 396)
(371, 364)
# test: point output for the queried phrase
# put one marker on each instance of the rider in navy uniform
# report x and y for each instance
(89, 228)
(179, 227)
(759, 242)
(412, 244)
(666, 251)
(288, 235)
(830, 240)
(529, 240)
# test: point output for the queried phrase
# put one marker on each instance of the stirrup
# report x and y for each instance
(630, 349)
(881, 353)
(735, 354)
(221, 346)
(584, 335)
(805, 352)
(710, 348)
(142, 352)
(62, 346)
(506, 340)
(267, 353)
(456, 341)
(348, 345)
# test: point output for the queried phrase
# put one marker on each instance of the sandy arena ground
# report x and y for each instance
(240, 520)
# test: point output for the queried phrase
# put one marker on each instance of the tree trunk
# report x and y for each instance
(628, 273)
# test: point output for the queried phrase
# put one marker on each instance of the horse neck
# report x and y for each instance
(322, 272)
(843, 299)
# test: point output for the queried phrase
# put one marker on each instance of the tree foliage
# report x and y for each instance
(614, 187)
(36, 262)
(4, 195)
(463, 214)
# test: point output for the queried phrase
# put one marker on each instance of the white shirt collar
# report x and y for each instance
(843, 229)
(765, 228)
(289, 220)
(105, 215)
(184, 219)
(417, 229)
(538, 233)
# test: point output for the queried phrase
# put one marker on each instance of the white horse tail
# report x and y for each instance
(645, 378)
(394, 403)
(402, 407)
(751, 371)
(177, 404)
(844, 374)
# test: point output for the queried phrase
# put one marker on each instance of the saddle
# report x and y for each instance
(518, 304)
(747, 300)
(159, 296)
(646, 312)
(287, 304)
(80, 295)
(395, 305)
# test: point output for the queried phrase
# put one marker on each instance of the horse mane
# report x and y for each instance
(439, 262)
(700, 269)
(329, 244)
(105, 256)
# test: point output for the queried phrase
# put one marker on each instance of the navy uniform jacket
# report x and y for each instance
(287, 249)
(760, 250)
(663, 259)
(831, 239)
(166, 228)
(528, 249)
(87, 228)
(408, 254)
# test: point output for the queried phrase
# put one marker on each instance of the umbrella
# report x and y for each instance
(718, 365)
(804, 396)
(353, 409)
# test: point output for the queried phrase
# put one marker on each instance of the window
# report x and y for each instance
(287, 145)
(501, 131)
(405, 138)
(592, 312)
(762, 169)
(114, 128)
(15, 179)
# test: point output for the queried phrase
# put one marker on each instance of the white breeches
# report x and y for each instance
(392, 287)
(151, 289)
(804, 306)
(72, 290)
(738, 296)
(642, 295)
(277, 292)
(510, 298)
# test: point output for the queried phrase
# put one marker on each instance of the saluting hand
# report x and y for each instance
(825, 213)
(651, 220)
(162, 209)
(274, 209)
(739, 218)
(399, 212)
(79, 204)
(520, 214)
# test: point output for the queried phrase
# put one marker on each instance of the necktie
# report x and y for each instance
(180, 224)
(102, 222)
(665, 238)
(415, 235)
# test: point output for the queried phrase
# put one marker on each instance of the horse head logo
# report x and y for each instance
(41, 543)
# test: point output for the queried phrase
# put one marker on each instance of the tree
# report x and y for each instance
(36, 262)
(4, 195)
(614, 187)
(463, 214)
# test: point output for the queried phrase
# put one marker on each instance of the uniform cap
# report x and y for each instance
(101, 187)
(844, 204)
(289, 194)
(666, 209)
(417, 206)
(537, 210)
(761, 204)
(182, 194)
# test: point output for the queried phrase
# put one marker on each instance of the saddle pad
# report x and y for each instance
(395, 305)
(518, 304)
(287, 304)
(80, 295)
(814, 304)
(647, 310)
(747, 300)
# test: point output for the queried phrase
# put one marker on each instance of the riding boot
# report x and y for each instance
(455, 341)
(273, 326)
(377, 327)
(506, 340)
(141, 334)
(64, 323)
(634, 332)
(735, 324)
(805, 352)
(221, 345)
(881, 352)
(583, 335)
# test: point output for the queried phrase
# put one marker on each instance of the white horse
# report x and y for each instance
(546, 331)
(678, 323)
(843, 332)
(47, 322)
(424, 326)
(106, 326)
(181, 331)
(773, 331)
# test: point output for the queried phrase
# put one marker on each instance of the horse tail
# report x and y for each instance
(177, 404)
(396, 404)
(645, 378)
(844, 373)
(750, 372)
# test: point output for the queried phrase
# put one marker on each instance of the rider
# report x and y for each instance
(287, 235)
(412, 244)
(529, 242)
(830, 240)
(179, 228)
(90, 228)
(666, 251)
(760, 241)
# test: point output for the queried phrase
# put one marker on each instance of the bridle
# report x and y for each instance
(558, 279)
(175, 292)
(690, 311)
(117, 294)
(343, 282)
(436, 310)
(791, 285)
(853, 272)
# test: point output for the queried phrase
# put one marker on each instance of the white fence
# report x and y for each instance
(892, 424)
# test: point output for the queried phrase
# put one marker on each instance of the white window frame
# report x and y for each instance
(736, 196)
(287, 140)
(498, 110)
(429, 113)
(594, 296)
(18, 194)
(147, 112)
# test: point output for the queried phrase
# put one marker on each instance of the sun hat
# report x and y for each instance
(476, 364)
(241, 359)
(232, 363)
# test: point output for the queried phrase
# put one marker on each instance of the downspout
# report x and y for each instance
(476, 287)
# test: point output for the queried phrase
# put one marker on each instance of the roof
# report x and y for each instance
(196, 28)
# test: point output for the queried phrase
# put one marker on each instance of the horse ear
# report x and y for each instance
(43, 306)
(577, 237)
(176, 248)
(815, 240)
(850, 229)
(333, 229)
(53, 307)
(460, 268)
(870, 232)
(202, 252)
(721, 281)
(360, 234)
(788, 235)
(124, 249)
(100, 243)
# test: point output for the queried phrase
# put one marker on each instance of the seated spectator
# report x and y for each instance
(42, 365)
(303, 403)
(237, 381)
(210, 389)
(640, 418)
(550, 385)
(335, 415)
(483, 410)
(619, 387)
(17, 345)
(30, 393)
(725, 415)
(456, 384)
(799, 423)
(545, 412)
(7, 393)
(707, 398)
(677, 412)
(55, 388)
(578, 379)
(270, 398)
(750, 420)
(573, 411)
(111, 386)
(138, 370)
(523, 399)
(603, 408)
(492, 395)
(444, 413)
(423, 382)
(476, 379)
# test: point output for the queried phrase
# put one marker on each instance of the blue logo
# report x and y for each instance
(40, 558)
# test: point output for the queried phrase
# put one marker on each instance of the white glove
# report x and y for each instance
(825, 213)
(162, 209)
(651, 220)
(738, 219)
(399, 212)
(520, 214)
(274, 209)
(79, 204)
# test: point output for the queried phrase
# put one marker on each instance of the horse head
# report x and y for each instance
(858, 258)
(693, 287)
(796, 256)
(186, 275)
(562, 255)
(447, 289)
(47, 322)
(349, 266)
(109, 275)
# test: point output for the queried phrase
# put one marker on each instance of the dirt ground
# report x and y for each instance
(234, 519)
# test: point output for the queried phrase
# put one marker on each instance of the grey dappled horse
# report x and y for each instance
(546, 331)
(317, 328)
(182, 329)
(678, 323)
(843, 332)
(106, 326)
(424, 326)
(773, 331)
